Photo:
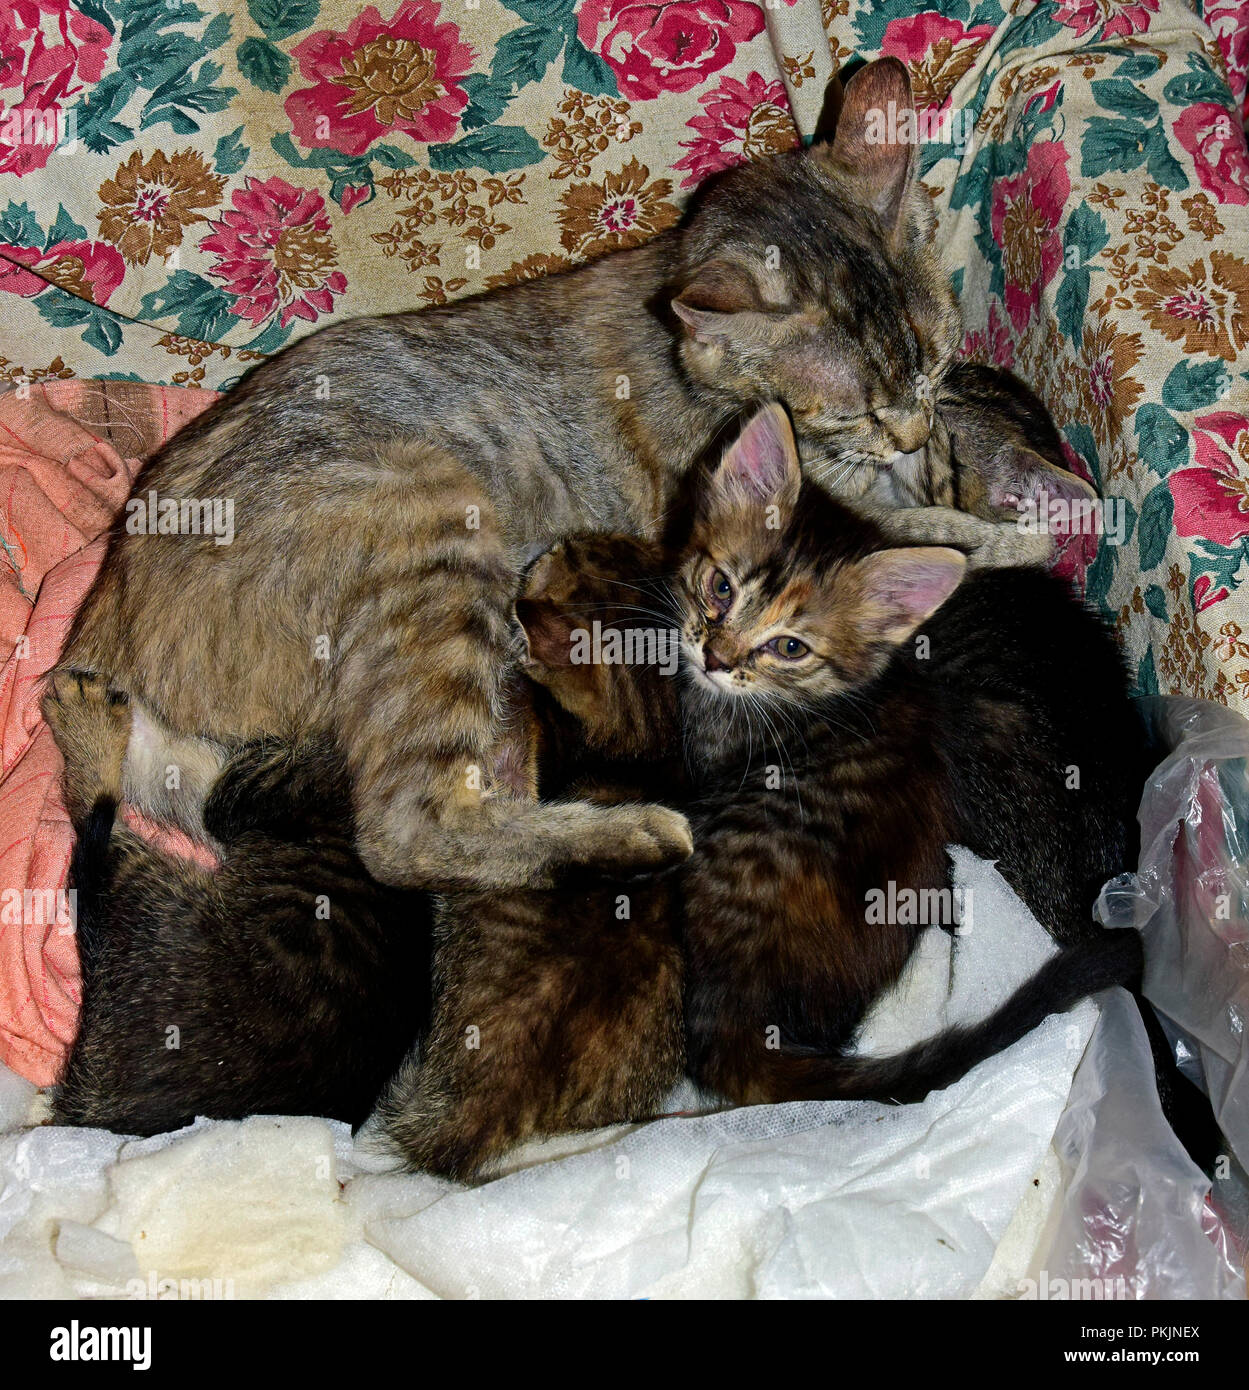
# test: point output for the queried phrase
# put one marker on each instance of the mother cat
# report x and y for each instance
(347, 604)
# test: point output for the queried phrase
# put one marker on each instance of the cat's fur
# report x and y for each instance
(284, 982)
(294, 983)
(560, 1009)
(353, 606)
(888, 750)
(805, 797)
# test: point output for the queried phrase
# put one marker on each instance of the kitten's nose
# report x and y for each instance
(711, 662)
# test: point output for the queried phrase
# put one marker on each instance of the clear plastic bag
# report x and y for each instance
(1135, 1216)
(1190, 897)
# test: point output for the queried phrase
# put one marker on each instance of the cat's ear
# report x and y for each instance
(871, 144)
(900, 588)
(722, 303)
(542, 609)
(548, 632)
(761, 465)
(1015, 476)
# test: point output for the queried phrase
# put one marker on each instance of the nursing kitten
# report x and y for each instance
(284, 982)
(801, 635)
(350, 609)
(560, 1009)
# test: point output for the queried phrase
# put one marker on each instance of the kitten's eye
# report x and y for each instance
(788, 647)
(720, 589)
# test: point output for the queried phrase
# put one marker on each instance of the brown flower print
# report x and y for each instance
(533, 267)
(1108, 391)
(936, 75)
(56, 370)
(149, 203)
(397, 78)
(621, 211)
(1206, 311)
(799, 69)
(586, 127)
(1202, 217)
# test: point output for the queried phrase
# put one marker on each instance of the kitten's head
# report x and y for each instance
(787, 597)
(812, 279)
(600, 639)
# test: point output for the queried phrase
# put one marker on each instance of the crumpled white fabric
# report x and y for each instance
(796, 1201)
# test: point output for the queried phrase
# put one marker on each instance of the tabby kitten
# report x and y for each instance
(560, 1009)
(800, 630)
(352, 607)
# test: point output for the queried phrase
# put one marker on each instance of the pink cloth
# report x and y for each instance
(68, 456)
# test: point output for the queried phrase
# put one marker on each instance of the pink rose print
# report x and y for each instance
(1111, 18)
(741, 121)
(1217, 144)
(937, 52)
(993, 343)
(380, 77)
(1025, 213)
(49, 51)
(91, 270)
(666, 47)
(1212, 498)
(274, 251)
(1074, 551)
(1230, 21)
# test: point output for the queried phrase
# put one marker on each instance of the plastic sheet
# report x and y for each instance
(1190, 896)
(1132, 1220)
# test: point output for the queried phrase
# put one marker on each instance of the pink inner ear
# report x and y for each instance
(911, 584)
(1017, 475)
(764, 458)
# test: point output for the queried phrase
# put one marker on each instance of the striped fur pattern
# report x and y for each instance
(291, 981)
(357, 606)
(852, 709)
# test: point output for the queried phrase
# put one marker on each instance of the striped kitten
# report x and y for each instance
(909, 706)
(391, 475)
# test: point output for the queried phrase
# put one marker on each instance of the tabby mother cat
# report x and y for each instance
(346, 608)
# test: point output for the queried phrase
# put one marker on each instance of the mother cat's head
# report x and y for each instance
(812, 279)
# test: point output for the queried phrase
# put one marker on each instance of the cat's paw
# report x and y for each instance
(74, 696)
(90, 721)
(1010, 545)
(644, 837)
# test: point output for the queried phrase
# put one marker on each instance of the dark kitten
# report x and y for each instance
(800, 633)
(285, 982)
(560, 1009)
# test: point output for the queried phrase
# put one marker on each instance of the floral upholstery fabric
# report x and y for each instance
(230, 176)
